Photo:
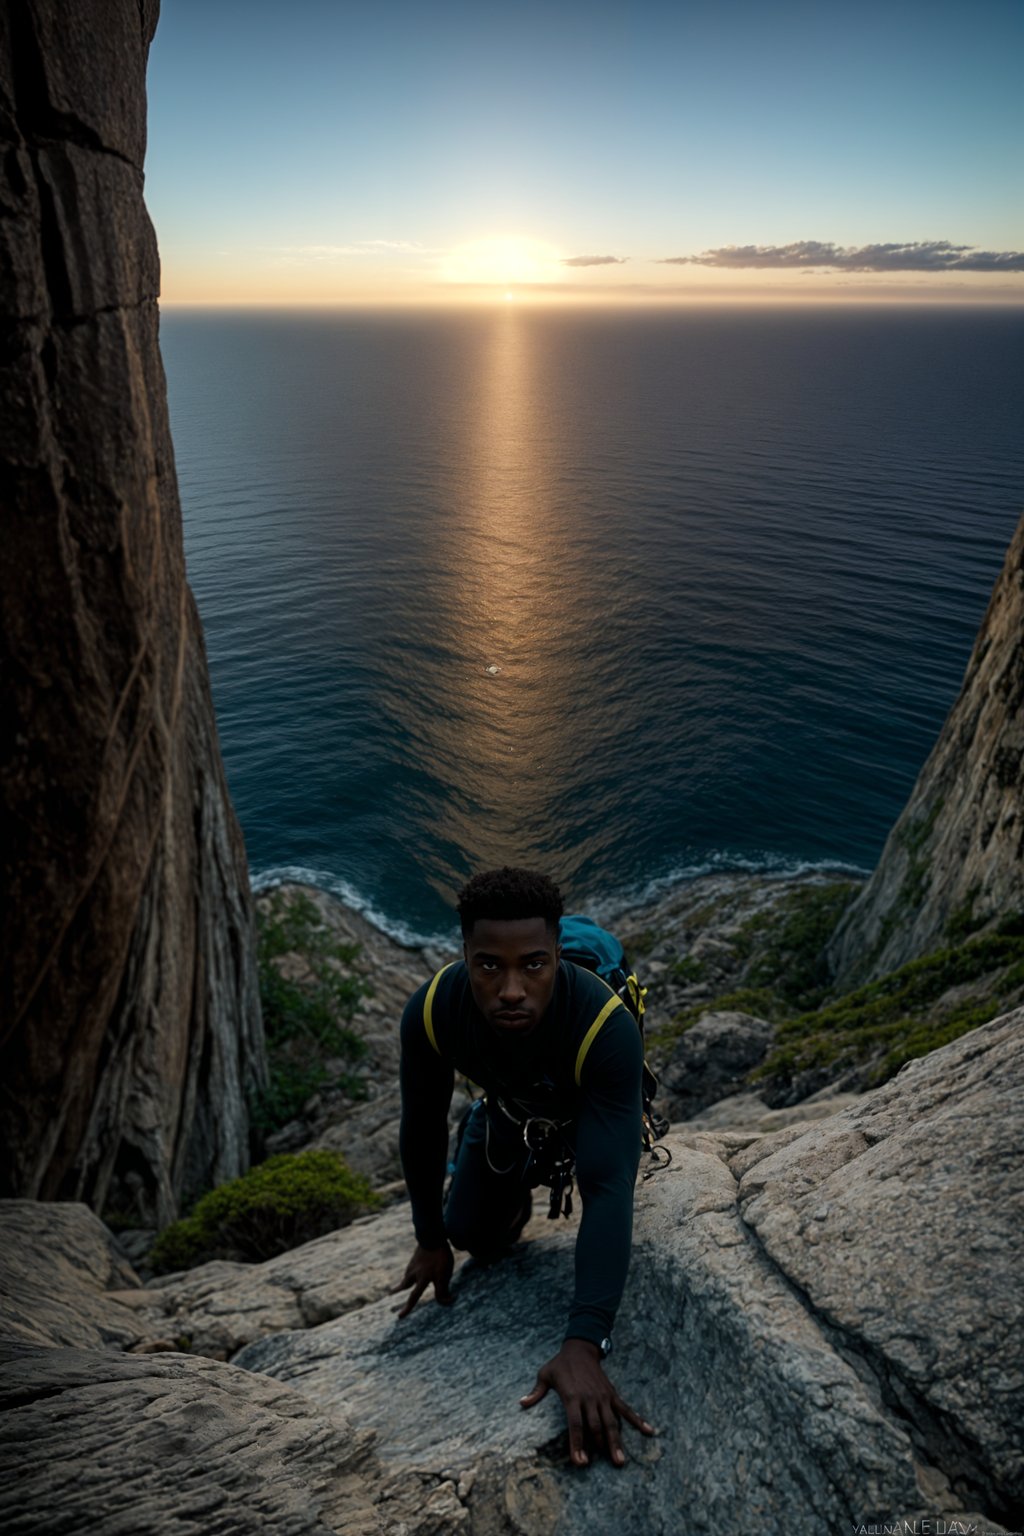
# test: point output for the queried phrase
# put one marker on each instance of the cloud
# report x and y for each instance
(809, 255)
(594, 261)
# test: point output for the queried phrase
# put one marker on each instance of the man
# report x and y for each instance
(550, 1044)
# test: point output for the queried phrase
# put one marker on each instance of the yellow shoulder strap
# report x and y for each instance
(588, 1039)
(428, 1006)
(637, 993)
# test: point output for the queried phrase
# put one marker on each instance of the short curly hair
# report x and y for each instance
(509, 893)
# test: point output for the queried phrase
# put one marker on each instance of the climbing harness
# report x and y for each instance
(547, 1145)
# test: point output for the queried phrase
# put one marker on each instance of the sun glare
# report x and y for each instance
(503, 260)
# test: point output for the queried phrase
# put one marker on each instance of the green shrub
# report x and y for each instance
(305, 1020)
(287, 1200)
(179, 1246)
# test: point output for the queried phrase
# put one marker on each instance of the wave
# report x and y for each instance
(334, 885)
(605, 909)
(720, 862)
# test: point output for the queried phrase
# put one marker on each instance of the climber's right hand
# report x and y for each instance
(428, 1266)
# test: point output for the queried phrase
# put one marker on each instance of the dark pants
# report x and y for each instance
(490, 1188)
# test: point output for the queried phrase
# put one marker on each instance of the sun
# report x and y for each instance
(503, 260)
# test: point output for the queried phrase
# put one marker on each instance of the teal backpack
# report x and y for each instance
(586, 943)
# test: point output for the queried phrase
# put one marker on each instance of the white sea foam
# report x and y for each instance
(720, 862)
(603, 909)
(334, 885)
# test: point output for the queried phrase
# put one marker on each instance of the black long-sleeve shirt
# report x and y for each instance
(605, 1108)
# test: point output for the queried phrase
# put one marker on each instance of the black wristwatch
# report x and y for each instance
(605, 1347)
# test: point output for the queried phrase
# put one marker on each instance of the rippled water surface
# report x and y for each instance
(625, 595)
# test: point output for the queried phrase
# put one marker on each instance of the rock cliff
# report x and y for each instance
(956, 854)
(130, 1013)
(824, 1323)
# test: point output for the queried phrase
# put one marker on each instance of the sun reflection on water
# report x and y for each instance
(497, 727)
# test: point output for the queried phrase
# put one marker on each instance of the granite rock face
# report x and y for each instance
(711, 1061)
(221, 1306)
(901, 1222)
(198, 1448)
(824, 1322)
(129, 999)
(958, 846)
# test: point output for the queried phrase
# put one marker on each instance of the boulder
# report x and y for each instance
(179, 1447)
(221, 1306)
(58, 1266)
(711, 1061)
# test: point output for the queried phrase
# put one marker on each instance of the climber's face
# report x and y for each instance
(512, 965)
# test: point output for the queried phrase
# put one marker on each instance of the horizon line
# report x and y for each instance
(648, 301)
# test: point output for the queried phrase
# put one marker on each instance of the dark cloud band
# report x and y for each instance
(810, 255)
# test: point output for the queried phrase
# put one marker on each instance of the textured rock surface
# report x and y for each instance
(901, 1220)
(824, 1323)
(801, 1369)
(58, 1264)
(711, 1061)
(169, 1446)
(219, 1307)
(130, 1014)
(958, 845)
(748, 1111)
(760, 1419)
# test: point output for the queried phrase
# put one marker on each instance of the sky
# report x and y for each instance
(302, 151)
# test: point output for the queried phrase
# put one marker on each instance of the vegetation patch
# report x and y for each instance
(308, 1000)
(288, 1200)
(787, 942)
(962, 922)
(687, 969)
(888, 1022)
(780, 955)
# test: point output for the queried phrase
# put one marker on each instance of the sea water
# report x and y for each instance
(626, 595)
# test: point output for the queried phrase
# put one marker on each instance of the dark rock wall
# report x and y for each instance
(956, 854)
(129, 1008)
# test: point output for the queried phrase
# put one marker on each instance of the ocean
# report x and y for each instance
(629, 595)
